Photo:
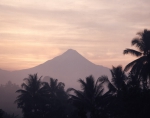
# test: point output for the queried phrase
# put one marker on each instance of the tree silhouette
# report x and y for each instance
(89, 100)
(140, 66)
(57, 101)
(114, 105)
(133, 81)
(121, 96)
(118, 77)
(55, 87)
(129, 100)
(117, 82)
(3, 114)
(31, 96)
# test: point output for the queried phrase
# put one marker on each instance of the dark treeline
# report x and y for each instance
(3, 114)
(122, 96)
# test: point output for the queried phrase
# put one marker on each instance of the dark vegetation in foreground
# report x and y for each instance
(122, 96)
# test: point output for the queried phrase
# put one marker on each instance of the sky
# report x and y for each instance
(34, 31)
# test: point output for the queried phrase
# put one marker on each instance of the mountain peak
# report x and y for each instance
(67, 67)
(71, 51)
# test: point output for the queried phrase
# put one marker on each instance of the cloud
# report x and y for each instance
(99, 29)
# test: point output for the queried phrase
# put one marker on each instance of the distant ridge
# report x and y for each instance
(67, 67)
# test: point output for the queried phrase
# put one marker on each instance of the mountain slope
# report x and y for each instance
(67, 68)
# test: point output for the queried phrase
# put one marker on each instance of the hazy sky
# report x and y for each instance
(34, 31)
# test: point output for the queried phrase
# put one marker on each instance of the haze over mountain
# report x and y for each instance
(67, 68)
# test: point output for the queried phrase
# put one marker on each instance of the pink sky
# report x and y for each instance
(34, 31)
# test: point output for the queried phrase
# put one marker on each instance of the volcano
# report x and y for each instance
(67, 68)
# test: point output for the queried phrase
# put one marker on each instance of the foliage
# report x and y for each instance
(88, 101)
(121, 96)
(140, 66)
(31, 96)
(39, 99)
(6, 115)
(57, 100)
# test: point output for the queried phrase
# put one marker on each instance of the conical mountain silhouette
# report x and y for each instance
(67, 68)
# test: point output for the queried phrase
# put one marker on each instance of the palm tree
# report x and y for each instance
(31, 96)
(116, 86)
(117, 81)
(140, 66)
(54, 87)
(57, 101)
(118, 77)
(130, 100)
(88, 99)
(111, 89)
(133, 81)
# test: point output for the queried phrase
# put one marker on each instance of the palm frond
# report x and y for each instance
(70, 89)
(111, 87)
(82, 83)
(138, 43)
(140, 66)
(118, 76)
(103, 78)
(96, 84)
(97, 89)
(77, 92)
(100, 93)
(131, 64)
(90, 82)
(61, 85)
(53, 82)
(132, 52)
(21, 91)
(73, 97)
(140, 34)
(45, 84)
(26, 87)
